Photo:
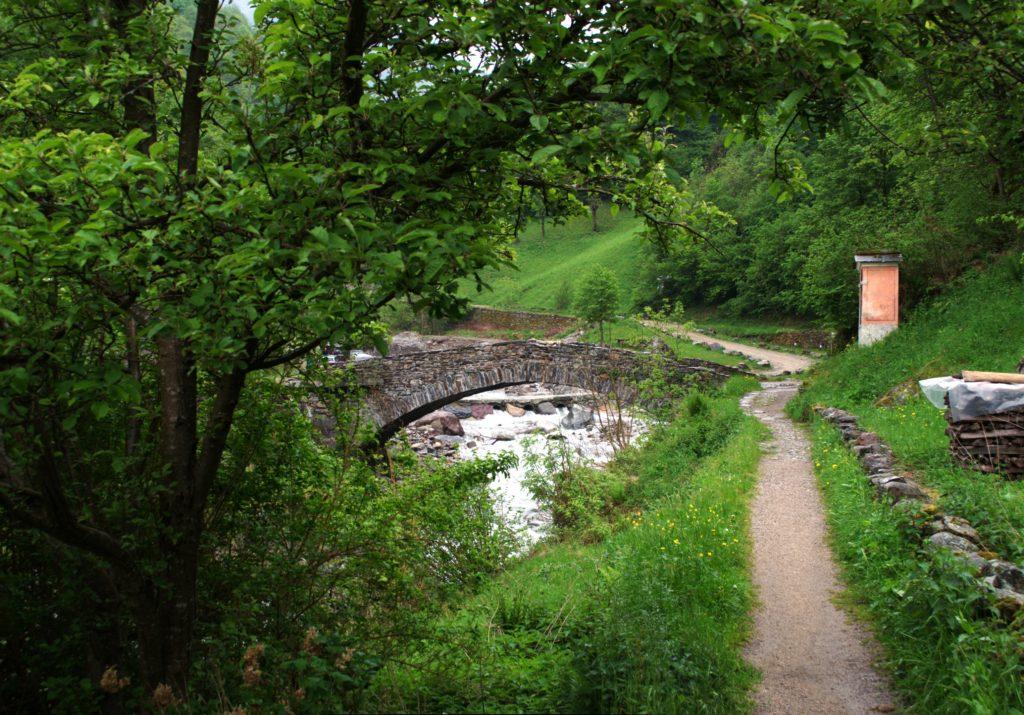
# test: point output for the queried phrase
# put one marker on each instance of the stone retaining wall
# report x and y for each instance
(481, 319)
(942, 531)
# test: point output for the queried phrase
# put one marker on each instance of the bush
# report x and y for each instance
(318, 570)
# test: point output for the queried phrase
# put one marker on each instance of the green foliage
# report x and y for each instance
(974, 325)
(653, 619)
(187, 205)
(548, 266)
(563, 298)
(308, 542)
(579, 497)
(597, 297)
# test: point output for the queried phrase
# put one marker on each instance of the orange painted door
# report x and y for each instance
(880, 295)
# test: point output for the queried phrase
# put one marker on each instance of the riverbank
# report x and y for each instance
(651, 616)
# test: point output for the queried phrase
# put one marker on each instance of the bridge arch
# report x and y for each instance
(403, 388)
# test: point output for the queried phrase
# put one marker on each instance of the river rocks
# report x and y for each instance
(515, 410)
(480, 411)
(868, 439)
(578, 417)
(503, 437)
(463, 412)
(899, 489)
(546, 408)
(441, 422)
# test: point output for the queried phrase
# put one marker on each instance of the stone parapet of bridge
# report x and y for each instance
(400, 389)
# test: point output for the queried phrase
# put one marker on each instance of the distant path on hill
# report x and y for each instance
(780, 361)
(814, 659)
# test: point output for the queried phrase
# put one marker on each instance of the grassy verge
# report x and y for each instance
(947, 648)
(977, 325)
(630, 331)
(652, 619)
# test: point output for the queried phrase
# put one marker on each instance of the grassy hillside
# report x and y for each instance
(551, 265)
(947, 646)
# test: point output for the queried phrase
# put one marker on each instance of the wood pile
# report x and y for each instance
(990, 443)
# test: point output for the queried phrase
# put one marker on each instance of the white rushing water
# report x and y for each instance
(532, 432)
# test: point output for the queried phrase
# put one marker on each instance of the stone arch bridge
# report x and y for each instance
(403, 388)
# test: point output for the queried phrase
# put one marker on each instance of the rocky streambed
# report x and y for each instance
(523, 420)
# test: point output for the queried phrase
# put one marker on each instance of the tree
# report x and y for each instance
(598, 298)
(178, 218)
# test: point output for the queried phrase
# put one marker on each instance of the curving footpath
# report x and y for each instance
(813, 658)
(781, 361)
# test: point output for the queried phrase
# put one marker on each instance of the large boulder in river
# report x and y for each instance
(481, 410)
(546, 408)
(515, 410)
(463, 412)
(578, 417)
(441, 422)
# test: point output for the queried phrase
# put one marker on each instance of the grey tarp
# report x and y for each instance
(968, 400)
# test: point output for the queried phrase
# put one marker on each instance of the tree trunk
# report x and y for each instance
(164, 620)
(593, 216)
(600, 330)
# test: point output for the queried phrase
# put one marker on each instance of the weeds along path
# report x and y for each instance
(813, 658)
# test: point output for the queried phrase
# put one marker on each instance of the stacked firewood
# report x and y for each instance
(990, 443)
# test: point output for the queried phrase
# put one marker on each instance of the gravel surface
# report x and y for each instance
(781, 361)
(814, 659)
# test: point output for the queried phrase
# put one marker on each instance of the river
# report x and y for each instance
(501, 431)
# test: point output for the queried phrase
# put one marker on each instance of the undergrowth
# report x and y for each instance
(651, 619)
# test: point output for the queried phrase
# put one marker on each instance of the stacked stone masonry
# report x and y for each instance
(400, 389)
(944, 531)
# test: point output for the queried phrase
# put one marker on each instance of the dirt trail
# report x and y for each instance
(781, 361)
(814, 660)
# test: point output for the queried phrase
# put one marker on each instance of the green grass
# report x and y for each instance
(938, 657)
(652, 619)
(946, 646)
(632, 332)
(555, 263)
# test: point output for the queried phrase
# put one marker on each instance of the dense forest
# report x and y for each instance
(193, 208)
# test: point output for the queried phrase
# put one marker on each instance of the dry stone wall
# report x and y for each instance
(942, 531)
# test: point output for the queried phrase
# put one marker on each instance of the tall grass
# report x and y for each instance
(947, 648)
(650, 620)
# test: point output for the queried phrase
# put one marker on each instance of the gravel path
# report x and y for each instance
(781, 361)
(814, 660)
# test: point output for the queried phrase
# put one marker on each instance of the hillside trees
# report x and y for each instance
(177, 219)
(598, 298)
(931, 170)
